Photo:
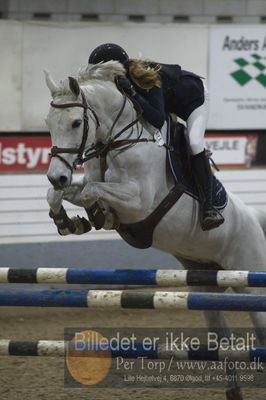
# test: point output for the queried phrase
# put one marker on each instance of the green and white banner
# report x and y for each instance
(237, 77)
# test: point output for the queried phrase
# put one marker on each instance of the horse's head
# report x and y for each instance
(74, 118)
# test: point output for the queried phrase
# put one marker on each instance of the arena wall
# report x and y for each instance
(63, 48)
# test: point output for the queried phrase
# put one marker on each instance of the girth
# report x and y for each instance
(140, 234)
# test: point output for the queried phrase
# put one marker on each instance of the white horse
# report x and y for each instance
(132, 180)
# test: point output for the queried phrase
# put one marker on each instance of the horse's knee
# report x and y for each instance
(54, 199)
(89, 195)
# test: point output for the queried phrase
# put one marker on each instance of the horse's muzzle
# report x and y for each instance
(60, 182)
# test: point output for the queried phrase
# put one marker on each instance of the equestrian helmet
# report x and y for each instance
(107, 52)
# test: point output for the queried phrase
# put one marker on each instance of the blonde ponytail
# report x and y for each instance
(143, 75)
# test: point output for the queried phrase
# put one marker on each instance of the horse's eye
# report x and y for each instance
(76, 123)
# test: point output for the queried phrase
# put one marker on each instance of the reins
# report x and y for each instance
(99, 149)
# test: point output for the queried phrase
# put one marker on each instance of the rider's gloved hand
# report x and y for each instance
(124, 83)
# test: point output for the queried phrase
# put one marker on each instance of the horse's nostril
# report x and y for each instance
(52, 180)
(63, 179)
(58, 182)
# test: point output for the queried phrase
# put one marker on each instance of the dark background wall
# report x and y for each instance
(93, 254)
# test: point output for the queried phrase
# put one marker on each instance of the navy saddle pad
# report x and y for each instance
(176, 167)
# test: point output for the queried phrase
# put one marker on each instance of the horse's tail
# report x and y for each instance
(261, 215)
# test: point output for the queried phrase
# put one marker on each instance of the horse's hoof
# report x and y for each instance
(211, 222)
(81, 224)
(96, 215)
(234, 394)
(209, 225)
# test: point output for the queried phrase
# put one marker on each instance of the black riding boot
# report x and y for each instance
(209, 217)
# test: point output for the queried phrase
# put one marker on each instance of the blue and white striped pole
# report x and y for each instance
(152, 277)
(58, 348)
(120, 299)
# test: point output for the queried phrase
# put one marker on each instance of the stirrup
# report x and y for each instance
(209, 222)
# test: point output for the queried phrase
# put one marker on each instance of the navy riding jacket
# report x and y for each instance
(180, 93)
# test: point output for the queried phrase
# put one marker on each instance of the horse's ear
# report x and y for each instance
(50, 82)
(74, 86)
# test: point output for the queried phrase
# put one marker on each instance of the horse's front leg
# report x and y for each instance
(72, 194)
(120, 200)
(66, 225)
(55, 199)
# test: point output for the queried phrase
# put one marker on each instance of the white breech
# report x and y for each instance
(196, 125)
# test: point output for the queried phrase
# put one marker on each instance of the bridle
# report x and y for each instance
(56, 151)
(99, 149)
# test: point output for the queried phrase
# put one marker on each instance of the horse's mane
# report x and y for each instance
(102, 71)
(92, 73)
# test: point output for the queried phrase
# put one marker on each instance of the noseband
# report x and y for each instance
(56, 151)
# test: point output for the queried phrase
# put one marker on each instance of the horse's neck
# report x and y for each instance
(107, 101)
(145, 161)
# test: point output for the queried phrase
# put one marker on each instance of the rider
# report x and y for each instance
(164, 88)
